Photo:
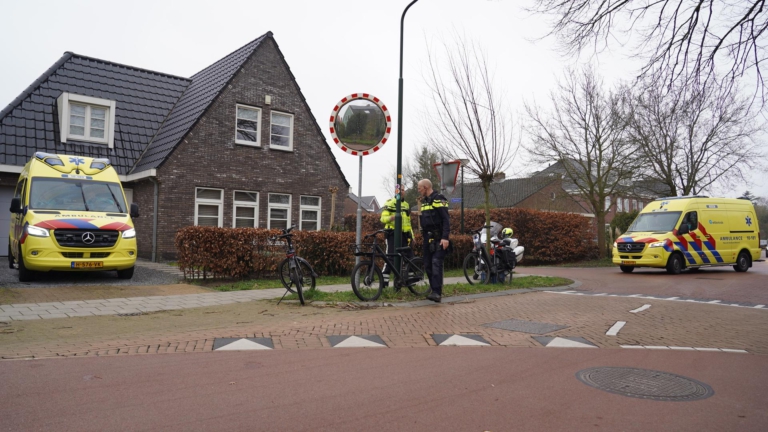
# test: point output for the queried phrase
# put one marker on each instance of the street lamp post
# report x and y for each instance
(398, 188)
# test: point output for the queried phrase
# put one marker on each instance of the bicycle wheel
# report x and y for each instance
(284, 271)
(416, 276)
(307, 277)
(367, 281)
(297, 283)
(475, 269)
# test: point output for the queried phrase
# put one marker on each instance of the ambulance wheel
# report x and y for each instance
(626, 269)
(125, 274)
(742, 262)
(675, 264)
(25, 275)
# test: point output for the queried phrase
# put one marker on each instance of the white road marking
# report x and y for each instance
(656, 347)
(458, 340)
(707, 349)
(559, 342)
(759, 306)
(633, 346)
(740, 351)
(714, 301)
(613, 331)
(673, 298)
(682, 348)
(641, 308)
(730, 350)
(358, 342)
(243, 345)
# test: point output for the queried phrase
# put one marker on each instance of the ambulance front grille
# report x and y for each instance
(79, 238)
(630, 247)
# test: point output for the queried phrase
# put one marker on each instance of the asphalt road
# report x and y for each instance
(446, 389)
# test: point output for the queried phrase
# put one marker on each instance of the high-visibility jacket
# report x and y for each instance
(390, 208)
(434, 216)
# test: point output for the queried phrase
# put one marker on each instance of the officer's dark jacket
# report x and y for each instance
(434, 215)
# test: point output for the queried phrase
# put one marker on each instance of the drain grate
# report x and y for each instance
(130, 314)
(525, 326)
(645, 384)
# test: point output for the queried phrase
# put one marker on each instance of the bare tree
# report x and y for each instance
(586, 133)
(680, 40)
(695, 136)
(468, 119)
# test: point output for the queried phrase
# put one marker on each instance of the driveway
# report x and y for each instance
(146, 273)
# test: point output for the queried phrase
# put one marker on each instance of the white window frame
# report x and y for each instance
(608, 203)
(627, 203)
(271, 205)
(249, 204)
(619, 205)
(206, 201)
(257, 143)
(290, 136)
(65, 102)
(318, 208)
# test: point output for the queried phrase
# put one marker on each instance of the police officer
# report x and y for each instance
(388, 219)
(435, 228)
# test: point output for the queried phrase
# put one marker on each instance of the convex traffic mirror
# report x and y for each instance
(360, 124)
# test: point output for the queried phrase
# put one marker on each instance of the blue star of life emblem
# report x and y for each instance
(749, 221)
(76, 160)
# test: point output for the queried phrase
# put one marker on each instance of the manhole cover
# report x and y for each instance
(645, 384)
(525, 326)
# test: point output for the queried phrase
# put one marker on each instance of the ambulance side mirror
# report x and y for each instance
(134, 210)
(683, 229)
(16, 205)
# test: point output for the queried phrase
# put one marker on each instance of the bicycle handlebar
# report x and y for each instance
(374, 234)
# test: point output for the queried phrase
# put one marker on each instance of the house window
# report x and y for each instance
(85, 118)
(637, 205)
(279, 211)
(248, 126)
(246, 209)
(619, 206)
(281, 136)
(626, 204)
(209, 204)
(608, 203)
(310, 213)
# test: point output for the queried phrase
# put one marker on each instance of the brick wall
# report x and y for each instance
(209, 157)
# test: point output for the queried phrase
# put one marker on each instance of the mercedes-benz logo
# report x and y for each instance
(627, 247)
(88, 238)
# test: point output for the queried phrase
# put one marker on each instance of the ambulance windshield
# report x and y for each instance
(82, 195)
(655, 222)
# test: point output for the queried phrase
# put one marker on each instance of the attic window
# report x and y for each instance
(85, 118)
(247, 130)
(281, 134)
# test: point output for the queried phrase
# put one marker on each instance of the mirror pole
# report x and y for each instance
(359, 230)
(398, 188)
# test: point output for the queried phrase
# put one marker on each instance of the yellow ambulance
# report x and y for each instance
(69, 213)
(691, 232)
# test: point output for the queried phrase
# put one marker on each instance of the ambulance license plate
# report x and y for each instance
(87, 264)
(628, 262)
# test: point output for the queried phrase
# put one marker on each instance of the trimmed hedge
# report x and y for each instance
(243, 252)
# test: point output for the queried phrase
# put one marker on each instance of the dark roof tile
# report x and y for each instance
(205, 86)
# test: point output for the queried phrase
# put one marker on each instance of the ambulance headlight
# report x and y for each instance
(130, 233)
(614, 245)
(37, 232)
(656, 244)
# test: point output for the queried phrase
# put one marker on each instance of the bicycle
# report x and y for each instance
(296, 274)
(481, 268)
(368, 278)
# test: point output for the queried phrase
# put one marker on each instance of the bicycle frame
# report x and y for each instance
(377, 252)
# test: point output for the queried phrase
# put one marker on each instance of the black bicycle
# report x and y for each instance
(368, 278)
(295, 272)
(481, 268)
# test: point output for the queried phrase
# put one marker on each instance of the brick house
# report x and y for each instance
(368, 204)
(235, 145)
(536, 193)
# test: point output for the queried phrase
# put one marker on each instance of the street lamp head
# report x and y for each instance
(464, 162)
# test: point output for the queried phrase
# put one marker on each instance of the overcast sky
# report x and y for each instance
(333, 47)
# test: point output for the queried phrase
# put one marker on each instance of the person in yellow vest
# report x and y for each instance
(388, 219)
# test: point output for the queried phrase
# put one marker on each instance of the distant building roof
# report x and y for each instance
(504, 194)
(367, 203)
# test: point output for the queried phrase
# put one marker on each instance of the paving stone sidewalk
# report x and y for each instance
(136, 305)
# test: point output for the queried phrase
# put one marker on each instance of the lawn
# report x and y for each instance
(389, 294)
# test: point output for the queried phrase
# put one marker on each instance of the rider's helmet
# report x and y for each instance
(506, 233)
